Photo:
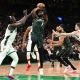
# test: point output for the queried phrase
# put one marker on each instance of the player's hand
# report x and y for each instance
(49, 41)
(54, 31)
(25, 12)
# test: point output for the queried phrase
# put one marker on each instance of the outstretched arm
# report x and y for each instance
(68, 34)
(65, 34)
(34, 15)
(20, 22)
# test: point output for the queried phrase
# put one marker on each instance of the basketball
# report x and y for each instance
(41, 5)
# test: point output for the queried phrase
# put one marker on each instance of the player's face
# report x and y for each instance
(60, 29)
(76, 27)
(57, 28)
(40, 14)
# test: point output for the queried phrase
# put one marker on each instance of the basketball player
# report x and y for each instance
(28, 33)
(6, 43)
(75, 33)
(62, 56)
(40, 19)
(56, 48)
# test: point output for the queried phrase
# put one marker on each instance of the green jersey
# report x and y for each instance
(38, 29)
(66, 43)
(57, 48)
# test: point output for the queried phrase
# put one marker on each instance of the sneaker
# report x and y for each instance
(67, 69)
(41, 71)
(33, 55)
(74, 71)
(28, 67)
(10, 77)
(38, 68)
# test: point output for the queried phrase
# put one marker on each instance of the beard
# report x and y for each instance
(60, 31)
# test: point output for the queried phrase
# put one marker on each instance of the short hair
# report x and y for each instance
(62, 25)
(9, 19)
(78, 24)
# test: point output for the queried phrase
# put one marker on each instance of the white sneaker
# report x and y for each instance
(41, 71)
(33, 55)
(67, 69)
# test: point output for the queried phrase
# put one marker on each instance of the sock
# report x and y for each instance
(28, 61)
(11, 70)
(68, 62)
(60, 60)
(38, 63)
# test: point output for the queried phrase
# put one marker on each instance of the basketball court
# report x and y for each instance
(55, 73)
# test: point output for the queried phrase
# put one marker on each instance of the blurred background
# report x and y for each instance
(66, 12)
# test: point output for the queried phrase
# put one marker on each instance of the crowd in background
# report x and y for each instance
(55, 9)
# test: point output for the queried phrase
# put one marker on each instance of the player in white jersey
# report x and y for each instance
(28, 33)
(75, 34)
(6, 44)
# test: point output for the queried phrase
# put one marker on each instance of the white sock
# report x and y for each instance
(11, 71)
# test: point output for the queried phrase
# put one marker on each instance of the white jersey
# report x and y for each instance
(77, 36)
(29, 34)
(9, 36)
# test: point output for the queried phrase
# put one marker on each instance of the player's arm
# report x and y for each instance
(34, 15)
(68, 34)
(45, 15)
(60, 42)
(26, 34)
(21, 21)
(25, 14)
(65, 34)
(46, 18)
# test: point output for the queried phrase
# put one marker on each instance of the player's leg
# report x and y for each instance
(41, 60)
(56, 54)
(30, 48)
(3, 52)
(65, 58)
(37, 54)
(33, 54)
(28, 54)
(53, 58)
(59, 57)
(15, 58)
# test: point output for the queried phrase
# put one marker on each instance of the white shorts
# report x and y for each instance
(8, 49)
(29, 46)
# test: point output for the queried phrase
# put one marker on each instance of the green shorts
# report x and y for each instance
(64, 52)
(38, 39)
